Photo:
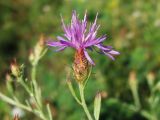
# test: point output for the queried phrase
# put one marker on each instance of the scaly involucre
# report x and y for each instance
(77, 35)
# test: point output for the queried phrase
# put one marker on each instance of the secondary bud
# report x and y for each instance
(133, 80)
(39, 46)
(151, 78)
(80, 66)
(15, 68)
(31, 56)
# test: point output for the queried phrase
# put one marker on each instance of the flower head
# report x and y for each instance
(78, 36)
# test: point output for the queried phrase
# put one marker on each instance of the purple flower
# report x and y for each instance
(78, 36)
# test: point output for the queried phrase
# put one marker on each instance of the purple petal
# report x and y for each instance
(101, 39)
(113, 52)
(60, 49)
(67, 43)
(84, 22)
(74, 16)
(95, 42)
(93, 27)
(92, 34)
(102, 47)
(85, 16)
(66, 29)
(88, 57)
(107, 47)
(109, 55)
(61, 38)
(55, 44)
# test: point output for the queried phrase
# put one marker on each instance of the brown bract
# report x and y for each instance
(80, 66)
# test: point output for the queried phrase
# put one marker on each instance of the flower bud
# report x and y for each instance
(31, 56)
(39, 46)
(15, 68)
(133, 80)
(80, 66)
(151, 78)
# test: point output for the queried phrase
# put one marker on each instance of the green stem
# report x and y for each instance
(73, 92)
(12, 102)
(83, 102)
(49, 112)
(20, 105)
(35, 87)
(90, 71)
(36, 92)
(21, 81)
(136, 98)
(33, 74)
(147, 115)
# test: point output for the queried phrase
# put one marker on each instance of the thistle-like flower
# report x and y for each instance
(77, 35)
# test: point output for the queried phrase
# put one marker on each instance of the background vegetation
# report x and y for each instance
(133, 28)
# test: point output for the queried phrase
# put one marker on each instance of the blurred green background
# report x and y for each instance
(132, 27)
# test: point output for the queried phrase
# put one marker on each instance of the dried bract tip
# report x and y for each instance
(104, 94)
(15, 68)
(98, 95)
(80, 66)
